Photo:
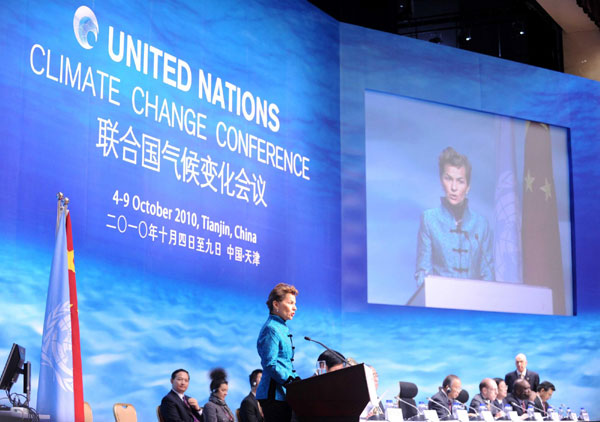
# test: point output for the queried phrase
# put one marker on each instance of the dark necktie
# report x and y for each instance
(189, 407)
(262, 415)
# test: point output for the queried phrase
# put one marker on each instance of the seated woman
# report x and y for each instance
(454, 241)
(216, 410)
(333, 360)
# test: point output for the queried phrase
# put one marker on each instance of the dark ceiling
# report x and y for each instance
(518, 30)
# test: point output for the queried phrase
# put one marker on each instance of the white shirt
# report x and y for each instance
(181, 395)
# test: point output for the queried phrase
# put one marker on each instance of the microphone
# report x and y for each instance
(440, 404)
(506, 417)
(542, 411)
(418, 416)
(407, 402)
(331, 350)
(457, 227)
(484, 256)
(499, 410)
(494, 406)
(529, 402)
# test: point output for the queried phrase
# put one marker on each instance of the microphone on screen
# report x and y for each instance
(485, 258)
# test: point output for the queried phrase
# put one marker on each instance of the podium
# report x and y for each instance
(479, 295)
(338, 396)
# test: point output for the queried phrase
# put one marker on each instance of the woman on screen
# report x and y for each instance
(454, 241)
(276, 352)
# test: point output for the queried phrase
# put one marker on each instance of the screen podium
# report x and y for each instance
(338, 396)
(478, 295)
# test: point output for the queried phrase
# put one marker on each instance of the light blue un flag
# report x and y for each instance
(507, 211)
(55, 390)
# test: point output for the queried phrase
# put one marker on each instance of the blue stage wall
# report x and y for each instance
(150, 303)
(424, 345)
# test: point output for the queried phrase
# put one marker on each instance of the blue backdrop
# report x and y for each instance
(150, 299)
(128, 127)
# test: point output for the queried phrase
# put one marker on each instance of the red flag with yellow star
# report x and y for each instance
(77, 372)
(542, 258)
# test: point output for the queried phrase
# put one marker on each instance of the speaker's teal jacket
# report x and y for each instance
(276, 353)
(450, 248)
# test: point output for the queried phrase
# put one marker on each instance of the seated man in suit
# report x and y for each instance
(250, 410)
(540, 399)
(176, 406)
(442, 401)
(519, 398)
(500, 401)
(522, 373)
(488, 390)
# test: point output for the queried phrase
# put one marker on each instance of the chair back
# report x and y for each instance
(87, 412)
(124, 412)
(406, 396)
(158, 414)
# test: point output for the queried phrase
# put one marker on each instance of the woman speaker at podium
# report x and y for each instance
(276, 351)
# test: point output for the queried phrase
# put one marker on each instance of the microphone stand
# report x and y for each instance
(331, 350)
(497, 408)
(483, 255)
(443, 406)
(419, 416)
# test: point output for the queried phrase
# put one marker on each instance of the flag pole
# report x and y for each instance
(60, 386)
